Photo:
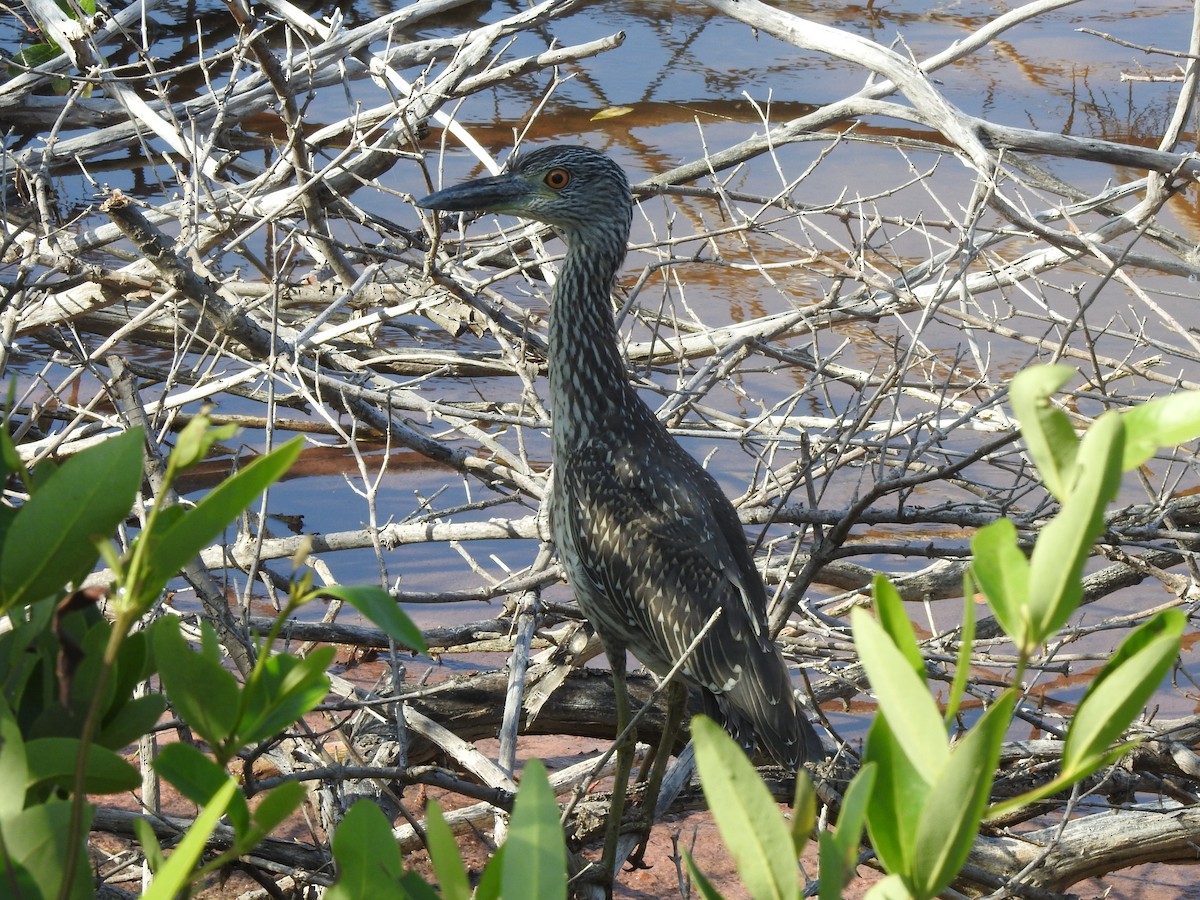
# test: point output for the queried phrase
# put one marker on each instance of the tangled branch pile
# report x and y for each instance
(275, 267)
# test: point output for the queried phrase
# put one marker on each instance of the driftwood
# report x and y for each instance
(262, 272)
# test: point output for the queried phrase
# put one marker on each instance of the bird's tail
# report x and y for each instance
(762, 709)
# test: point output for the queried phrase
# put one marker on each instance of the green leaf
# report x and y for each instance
(26, 653)
(1064, 545)
(839, 849)
(890, 888)
(52, 761)
(131, 720)
(283, 688)
(8, 515)
(804, 812)
(707, 891)
(853, 814)
(1002, 571)
(412, 886)
(177, 872)
(489, 880)
(1121, 690)
(966, 641)
(51, 541)
(201, 691)
(832, 876)
(897, 798)
(18, 880)
(40, 476)
(35, 841)
(443, 853)
(194, 442)
(88, 684)
(892, 616)
(273, 808)
(746, 814)
(368, 860)
(1048, 434)
(38, 55)
(151, 848)
(199, 779)
(14, 769)
(903, 696)
(381, 608)
(536, 854)
(177, 544)
(134, 665)
(10, 458)
(950, 820)
(1163, 422)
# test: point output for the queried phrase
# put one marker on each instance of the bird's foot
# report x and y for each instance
(637, 859)
(643, 825)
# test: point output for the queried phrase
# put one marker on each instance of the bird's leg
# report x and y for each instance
(625, 748)
(676, 704)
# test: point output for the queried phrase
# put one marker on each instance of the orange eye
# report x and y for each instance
(557, 179)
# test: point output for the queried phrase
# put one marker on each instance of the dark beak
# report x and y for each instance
(498, 193)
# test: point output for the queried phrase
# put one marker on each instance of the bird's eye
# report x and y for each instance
(557, 179)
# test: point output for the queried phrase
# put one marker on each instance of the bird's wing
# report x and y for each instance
(654, 548)
(657, 536)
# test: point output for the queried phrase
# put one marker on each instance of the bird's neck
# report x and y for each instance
(589, 386)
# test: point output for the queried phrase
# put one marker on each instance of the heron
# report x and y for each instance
(651, 546)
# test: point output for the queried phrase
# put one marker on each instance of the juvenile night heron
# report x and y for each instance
(650, 544)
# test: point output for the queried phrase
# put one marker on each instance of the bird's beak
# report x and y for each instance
(498, 193)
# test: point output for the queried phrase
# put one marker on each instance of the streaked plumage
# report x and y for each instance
(650, 543)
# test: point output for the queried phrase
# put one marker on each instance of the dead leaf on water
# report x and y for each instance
(612, 112)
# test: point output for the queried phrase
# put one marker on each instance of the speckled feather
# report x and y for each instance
(650, 544)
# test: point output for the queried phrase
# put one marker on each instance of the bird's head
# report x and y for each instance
(576, 189)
